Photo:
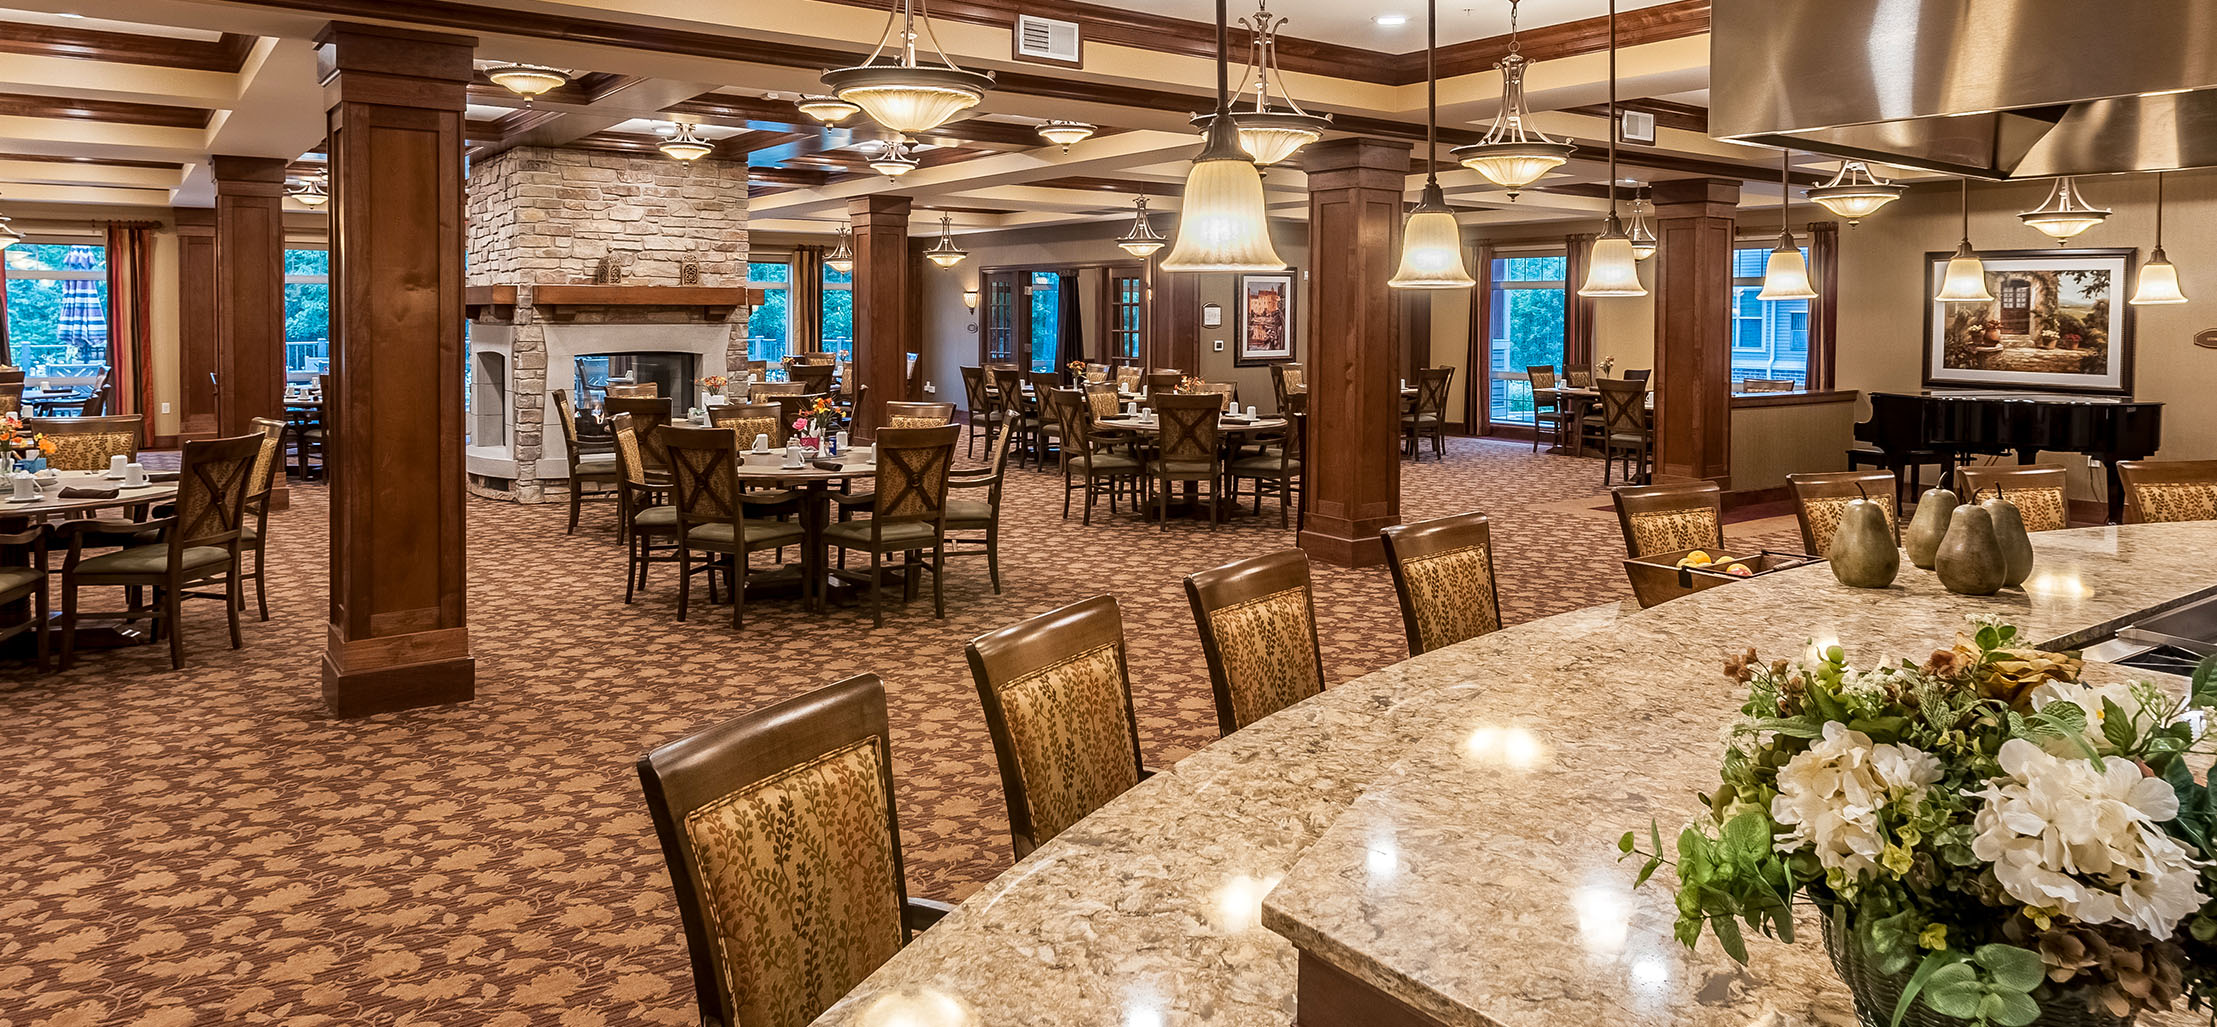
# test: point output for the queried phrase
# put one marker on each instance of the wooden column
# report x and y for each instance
(197, 358)
(1174, 320)
(1354, 468)
(881, 283)
(1693, 328)
(249, 291)
(398, 635)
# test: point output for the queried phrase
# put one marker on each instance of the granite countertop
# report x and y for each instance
(1444, 829)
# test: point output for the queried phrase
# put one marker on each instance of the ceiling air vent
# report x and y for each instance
(1638, 127)
(1045, 39)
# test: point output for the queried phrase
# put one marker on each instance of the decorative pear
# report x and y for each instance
(1969, 560)
(1863, 554)
(1929, 526)
(2010, 535)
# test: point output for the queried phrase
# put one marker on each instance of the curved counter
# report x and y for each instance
(1437, 839)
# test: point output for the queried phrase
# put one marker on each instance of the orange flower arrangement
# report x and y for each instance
(716, 382)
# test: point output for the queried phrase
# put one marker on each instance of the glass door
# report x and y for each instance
(998, 346)
(1525, 329)
(1045, 309)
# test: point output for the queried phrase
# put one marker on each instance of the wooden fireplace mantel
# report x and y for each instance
(497, 300)
(559, 302)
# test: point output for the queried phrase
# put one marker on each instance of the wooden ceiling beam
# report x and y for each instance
(226, 54)
(117, 112)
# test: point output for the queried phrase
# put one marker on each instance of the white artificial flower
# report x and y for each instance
(1830, 795)
(2088, 698)
(2085, 842)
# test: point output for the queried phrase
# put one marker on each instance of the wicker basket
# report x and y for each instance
(1877, 993)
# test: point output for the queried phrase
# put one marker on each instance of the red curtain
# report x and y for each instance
(1577, 310)
(1478, 384)
(130, 331)
(805, 300)
(1824, 311)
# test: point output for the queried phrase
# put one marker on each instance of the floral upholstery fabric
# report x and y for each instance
(2177, 501)
(1453, 596)
(1072, 731)
(1268, 649)
(1669, 531)
(2043, 509)
(1823, 515)
(916, 422)
(87, 451)
(746, 428)
(797, 886)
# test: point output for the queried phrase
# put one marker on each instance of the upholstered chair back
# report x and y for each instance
(2169, 490)
(86, 443)
(1820, 498)
(1670, 518)
(2037, 491)
(1443, 573)
(1258, 630)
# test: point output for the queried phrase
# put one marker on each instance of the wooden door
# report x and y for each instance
(1006, 323)
(1127, 316)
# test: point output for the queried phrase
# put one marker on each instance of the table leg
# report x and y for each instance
(815, 501)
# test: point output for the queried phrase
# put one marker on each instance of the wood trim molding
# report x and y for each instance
(226, 53)
(1668, 113)
(120, 112)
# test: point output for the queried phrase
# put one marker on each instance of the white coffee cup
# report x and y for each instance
(134, 474)
(1131, 409)
(761, 443)
(116, 464)
(793, 454)
(839, 441)
(1251, 410)
(26, 487)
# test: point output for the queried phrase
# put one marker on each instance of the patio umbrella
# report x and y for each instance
(83, 324)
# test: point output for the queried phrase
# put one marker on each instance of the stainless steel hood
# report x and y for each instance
(1997, 89)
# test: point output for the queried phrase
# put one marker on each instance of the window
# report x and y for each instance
(307, 314)
(838, 313)
(770, 324)
(1525, 329)
(58, 312)
(1770, 338)
(1046, 319)
(1127, 292)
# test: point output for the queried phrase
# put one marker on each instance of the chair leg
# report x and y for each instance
(939, 575)
(738, 588)
(261, 591)
(632, 567)
(171, 604)
(1285, 496)
(993, 546)
(1165, 503)
(69, 622)
(577, 499)
(684, 579)
(237, 602)
(877, 589)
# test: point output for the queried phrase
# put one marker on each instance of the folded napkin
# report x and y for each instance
(828, 465)
(161, 475)
(90, 492)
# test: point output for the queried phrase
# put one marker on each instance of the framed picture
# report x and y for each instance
(1265, 319)
(2058, 322)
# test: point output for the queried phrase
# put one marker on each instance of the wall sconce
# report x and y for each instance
(970, 299)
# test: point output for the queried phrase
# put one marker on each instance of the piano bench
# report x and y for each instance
(1908, 468)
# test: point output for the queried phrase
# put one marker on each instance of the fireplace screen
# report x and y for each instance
(674, 373)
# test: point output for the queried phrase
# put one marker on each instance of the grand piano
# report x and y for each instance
(1947, 428)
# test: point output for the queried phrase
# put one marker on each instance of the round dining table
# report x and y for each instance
(1233, 429)
(810, 485)
(52, 503)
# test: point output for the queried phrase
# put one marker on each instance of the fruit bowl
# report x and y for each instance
(1662, 577)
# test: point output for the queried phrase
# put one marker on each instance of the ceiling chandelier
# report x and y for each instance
(2065, 214)
(1612, 269)
(527, 80)
(310, 192)
(1431, 241)
(1514, 154)
(830, 110)
(1142, 241)
(2159, 281)
(1965, 280)
(1855, 192)
(684, 145)
(1067, 133)
(893, 159)
(1786, 275)
(1225, 224)
(8, 235)
(1644, 243)
(1269, 134)
(841, 258)
(907, 96)
(946, 254)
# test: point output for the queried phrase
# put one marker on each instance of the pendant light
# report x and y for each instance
(830, 110)
(1612, 268)
(2159, 281)
(841, 258)
(1142, 241)
(1786, 275)
(311, 192)
(1431, 241)
(1514, 154)
(946, 254)
(1225, 225)
(893, 159)
(1965, 280)
(684, 145)
(8, 235)
(1855, 192)
(1067, 133)
(1269, 134)
(2065, 214)
(906, 95)
(527, 80)
(1644, 243)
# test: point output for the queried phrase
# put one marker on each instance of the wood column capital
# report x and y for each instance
(880, 210)
(395, 67)
(1696, 197)
(1357, 163)
(248, 176)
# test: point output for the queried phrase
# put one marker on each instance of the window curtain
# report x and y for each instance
(1071, 346)
(1478, 384)
(808, 299)
(1824, 311)
(1577, 310)
(130, 332)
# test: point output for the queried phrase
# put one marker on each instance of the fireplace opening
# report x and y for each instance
(488, 380)
(673, 373)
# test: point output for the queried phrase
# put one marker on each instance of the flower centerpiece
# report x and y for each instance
(1608, 366)
(1193, 385)
(1077, 373)
(818, 421)
(1988, 839)
(20, 449)
(716, 384)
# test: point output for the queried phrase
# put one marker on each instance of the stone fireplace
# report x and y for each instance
(543, 226)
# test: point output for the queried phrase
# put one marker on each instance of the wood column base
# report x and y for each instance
(399, 672)
(1327, 996)
(1347, 543)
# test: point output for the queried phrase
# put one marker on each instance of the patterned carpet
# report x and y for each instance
(209, 847)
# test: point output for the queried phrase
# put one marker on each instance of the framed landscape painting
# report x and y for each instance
(2057, 322)
(1265, 319)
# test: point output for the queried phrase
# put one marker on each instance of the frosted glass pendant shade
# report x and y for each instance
(1965, 281)
(1612, 269)
(2159, 282)
(909, 100)
(1786, 276)
(1224, 225)
(1432, 247)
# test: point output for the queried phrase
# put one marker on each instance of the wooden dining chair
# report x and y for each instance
(588, 464)
(87, 443)
(761, 392)
(1228, 391)
(1162, 381)
(918, 415)
(1670, 518)
(2159, 491)
(711, 516)
(1008, 404)
(1190, 449)
(1277, 468)
(11, 391)
(974, 520)
(1578, 376)
(813, 377)
(649, 532)
(982, 413)
(784, 850)
(1039, 423)
(254, 530)
(1128, 377)
(634, 390)
(1443, 574)
(1628, 432)
(747, 420)
(908, 514)
(2036, 489)
(1820, 498)
(1091, 464)
(1287, 379)
(96, 404)
(1057, 694)
(1548, 407)
(647, 416)
(1101, 401)
(1429, 415)
(23, 579)
(1768, 385)
(1640, 375)
(1257, 620)
(200, 546)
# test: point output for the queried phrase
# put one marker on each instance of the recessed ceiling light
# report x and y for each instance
(1390, 21)
(68, 14)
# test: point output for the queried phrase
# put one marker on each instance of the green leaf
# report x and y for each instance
(1747, 837)
(1646, 872)
(1953, 990)
(2015, 1009)
(2013, 968)
(1917, 981)
(1728, 935)
(1624, 844)
(2117, 725)
(2204, 692)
